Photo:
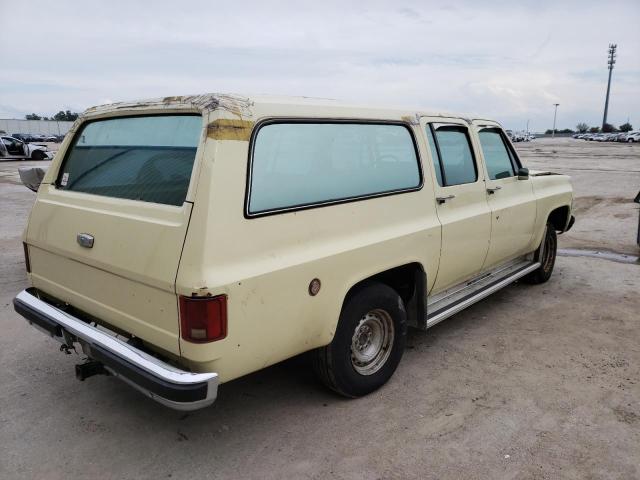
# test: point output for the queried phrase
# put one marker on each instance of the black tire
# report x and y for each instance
(338, 366)
(38, 155)
(546, 255)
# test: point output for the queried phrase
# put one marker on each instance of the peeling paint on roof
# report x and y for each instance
(229, 129)
(243, 108)
(205, 103)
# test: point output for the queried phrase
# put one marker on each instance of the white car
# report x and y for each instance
(13, 148)
(633, 137)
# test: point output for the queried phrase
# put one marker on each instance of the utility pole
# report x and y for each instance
(555, 113)
(527, 127)
(610, 63)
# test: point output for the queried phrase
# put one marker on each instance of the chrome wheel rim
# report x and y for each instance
(372, 342)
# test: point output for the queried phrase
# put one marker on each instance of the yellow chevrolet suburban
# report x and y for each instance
(186, 241)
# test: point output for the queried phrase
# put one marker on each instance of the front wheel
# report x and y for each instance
(546, 255)
(38, 155)
(368, 343)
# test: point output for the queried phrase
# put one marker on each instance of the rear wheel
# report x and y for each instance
(368, 343)
(546, 255)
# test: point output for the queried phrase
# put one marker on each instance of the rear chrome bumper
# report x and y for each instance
(168, 385)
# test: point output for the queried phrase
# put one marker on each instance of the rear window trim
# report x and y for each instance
(325, 120)
(83, 125)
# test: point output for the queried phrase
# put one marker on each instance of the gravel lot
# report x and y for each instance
(534, 382)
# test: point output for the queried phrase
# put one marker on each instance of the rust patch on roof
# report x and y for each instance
(413, 120)
(174, 99)
(228, 129)
(234, 104)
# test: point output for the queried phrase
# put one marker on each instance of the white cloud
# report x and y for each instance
(506, 60)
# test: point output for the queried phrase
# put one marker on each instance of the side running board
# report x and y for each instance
(450, 302)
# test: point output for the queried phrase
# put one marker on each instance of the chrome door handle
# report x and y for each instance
(441, 200)
(494, 189)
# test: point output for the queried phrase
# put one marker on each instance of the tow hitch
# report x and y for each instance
(89, 369)
(68, 345)
(83, 370)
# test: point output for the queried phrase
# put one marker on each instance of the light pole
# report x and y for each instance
(610, 63)
(555, 113)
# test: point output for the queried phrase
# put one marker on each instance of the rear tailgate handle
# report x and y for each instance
(494, 189)
(442, 200)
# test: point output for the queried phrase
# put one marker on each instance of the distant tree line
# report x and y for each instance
(60, 116)
(584, 128)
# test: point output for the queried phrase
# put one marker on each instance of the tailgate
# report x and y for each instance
(108, 235)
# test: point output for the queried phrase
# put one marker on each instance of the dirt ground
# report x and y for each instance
(533, 382)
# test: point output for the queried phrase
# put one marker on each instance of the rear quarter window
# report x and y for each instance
(145, 158)
(296, 165)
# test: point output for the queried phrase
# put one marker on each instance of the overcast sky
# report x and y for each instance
(505, 60)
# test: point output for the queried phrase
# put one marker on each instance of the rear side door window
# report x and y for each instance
(498, 158)
(453, 155)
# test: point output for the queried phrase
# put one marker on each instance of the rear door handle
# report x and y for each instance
(494, 189)
(442, 200)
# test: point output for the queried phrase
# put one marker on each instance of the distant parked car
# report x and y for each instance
(26, 137)
(620, 137)
(518, 137)
(11, 147)
(633, 137)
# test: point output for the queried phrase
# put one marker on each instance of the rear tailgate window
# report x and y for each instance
(145, 158)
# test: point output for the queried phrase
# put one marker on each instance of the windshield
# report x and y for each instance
(146, 158)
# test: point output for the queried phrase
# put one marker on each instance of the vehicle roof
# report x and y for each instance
(255, 106)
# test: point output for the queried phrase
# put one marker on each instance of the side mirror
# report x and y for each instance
(523, 173)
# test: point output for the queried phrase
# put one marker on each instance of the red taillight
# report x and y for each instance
(27, 263)
(203, 319)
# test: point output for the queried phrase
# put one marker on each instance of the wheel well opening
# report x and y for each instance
(559, 218)
(409, 281)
